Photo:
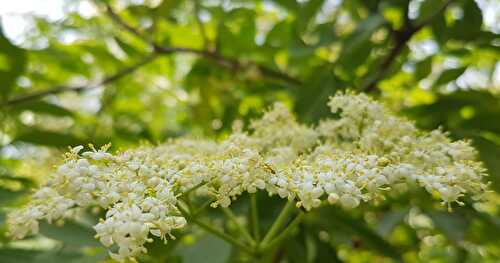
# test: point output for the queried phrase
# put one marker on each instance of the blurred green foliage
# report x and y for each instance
(149, 70)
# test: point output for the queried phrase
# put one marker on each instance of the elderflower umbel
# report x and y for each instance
(345, 160)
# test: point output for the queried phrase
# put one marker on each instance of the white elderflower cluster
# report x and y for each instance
(354, 157)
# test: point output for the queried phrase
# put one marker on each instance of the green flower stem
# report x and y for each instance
(243, 231)
(202, 207)
(254, 216)
(186, 195)
(222, 235)
(280, 222)
(190, 190)
(213, 230)
(277, 240)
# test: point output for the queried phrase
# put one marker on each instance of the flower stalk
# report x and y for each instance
(243, 231)
(254, 216)
(284, 234)
(212, 230)
(278, 223)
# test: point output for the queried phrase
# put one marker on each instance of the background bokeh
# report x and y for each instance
(128, 72)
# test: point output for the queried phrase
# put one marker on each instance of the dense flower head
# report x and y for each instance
(353, 157)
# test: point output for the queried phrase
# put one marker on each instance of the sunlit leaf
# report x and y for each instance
(48, 138)
(428, 9)
(12, 63)
(44, 107)
(489, 152)
(449, 75)
(357, 45)
(469, 25)
(423, 68)
(8, 197)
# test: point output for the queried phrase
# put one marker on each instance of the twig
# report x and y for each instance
(117, 19)
(227, 62)
(401, 38)
(60, 89)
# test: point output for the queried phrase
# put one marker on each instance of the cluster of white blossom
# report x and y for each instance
(354, 157)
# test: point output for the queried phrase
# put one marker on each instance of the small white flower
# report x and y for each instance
(343, 161)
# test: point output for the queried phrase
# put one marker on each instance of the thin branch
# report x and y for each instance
(60, 89)
(402, 37)
(227, 62)
(117, 19)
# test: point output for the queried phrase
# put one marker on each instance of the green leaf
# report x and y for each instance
(130, 50)
(71, 233)
(389, 221)
(312, 98)
(453, 225)
(307, 11)
(440, 30)
(279, 35)
(2, 217)
(449, 75)
(291, 5)
(357, 45)
(59, 257)
(236, 36)
(48, 138)
(209, 249)
(159, 251)
(334, 220)
(10, 255)
(469, 25)
(297, 247)
(428, 9)
(325, 251)
(8, 197)
(12, 63)
(489, 152)
(166, 7)
(484, 121)
(44, 107)
(24, 181)
(445, 111)
(423, 68)
(491, 221)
